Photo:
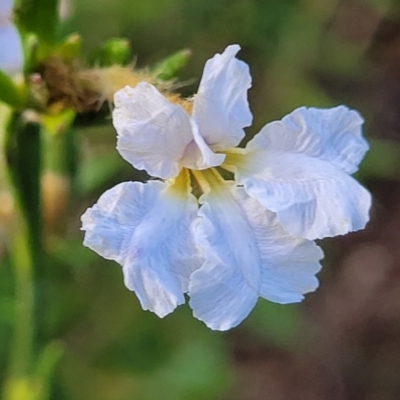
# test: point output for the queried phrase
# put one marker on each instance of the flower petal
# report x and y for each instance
(6, 7)
(247, 255)
(152, 132)
(298, 168)
(198, 155)
(333, 135)
(221, 109)
(146, 229)
(11, 55)
(312, 198)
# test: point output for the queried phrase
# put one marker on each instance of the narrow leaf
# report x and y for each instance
(9, 92)
(114, 51)
(169, 68)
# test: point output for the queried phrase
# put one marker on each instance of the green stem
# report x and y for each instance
(22, 147)
(54, 157)
(24, 331)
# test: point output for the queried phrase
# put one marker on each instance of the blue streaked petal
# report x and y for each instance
(152, 132)
(333, 135)
(247, 255)
(312, 198)
(298, 168)
(221, 109)
(146, 228)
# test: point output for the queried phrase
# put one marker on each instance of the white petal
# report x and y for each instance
(146, 229)
(247, 255)
(221, 109)
(312, 198)
(333, 135)
(11, 55)
(198, 155)
(152, 132)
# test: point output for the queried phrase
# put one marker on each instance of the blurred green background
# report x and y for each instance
(343, 342)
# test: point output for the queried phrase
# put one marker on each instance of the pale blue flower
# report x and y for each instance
(11, 55)
(240, 240)
(300, 169)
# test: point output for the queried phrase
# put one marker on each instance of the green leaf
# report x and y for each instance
(10, 93)
(114, 51)
(169, 68)
(39, 17)
(70, 48)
